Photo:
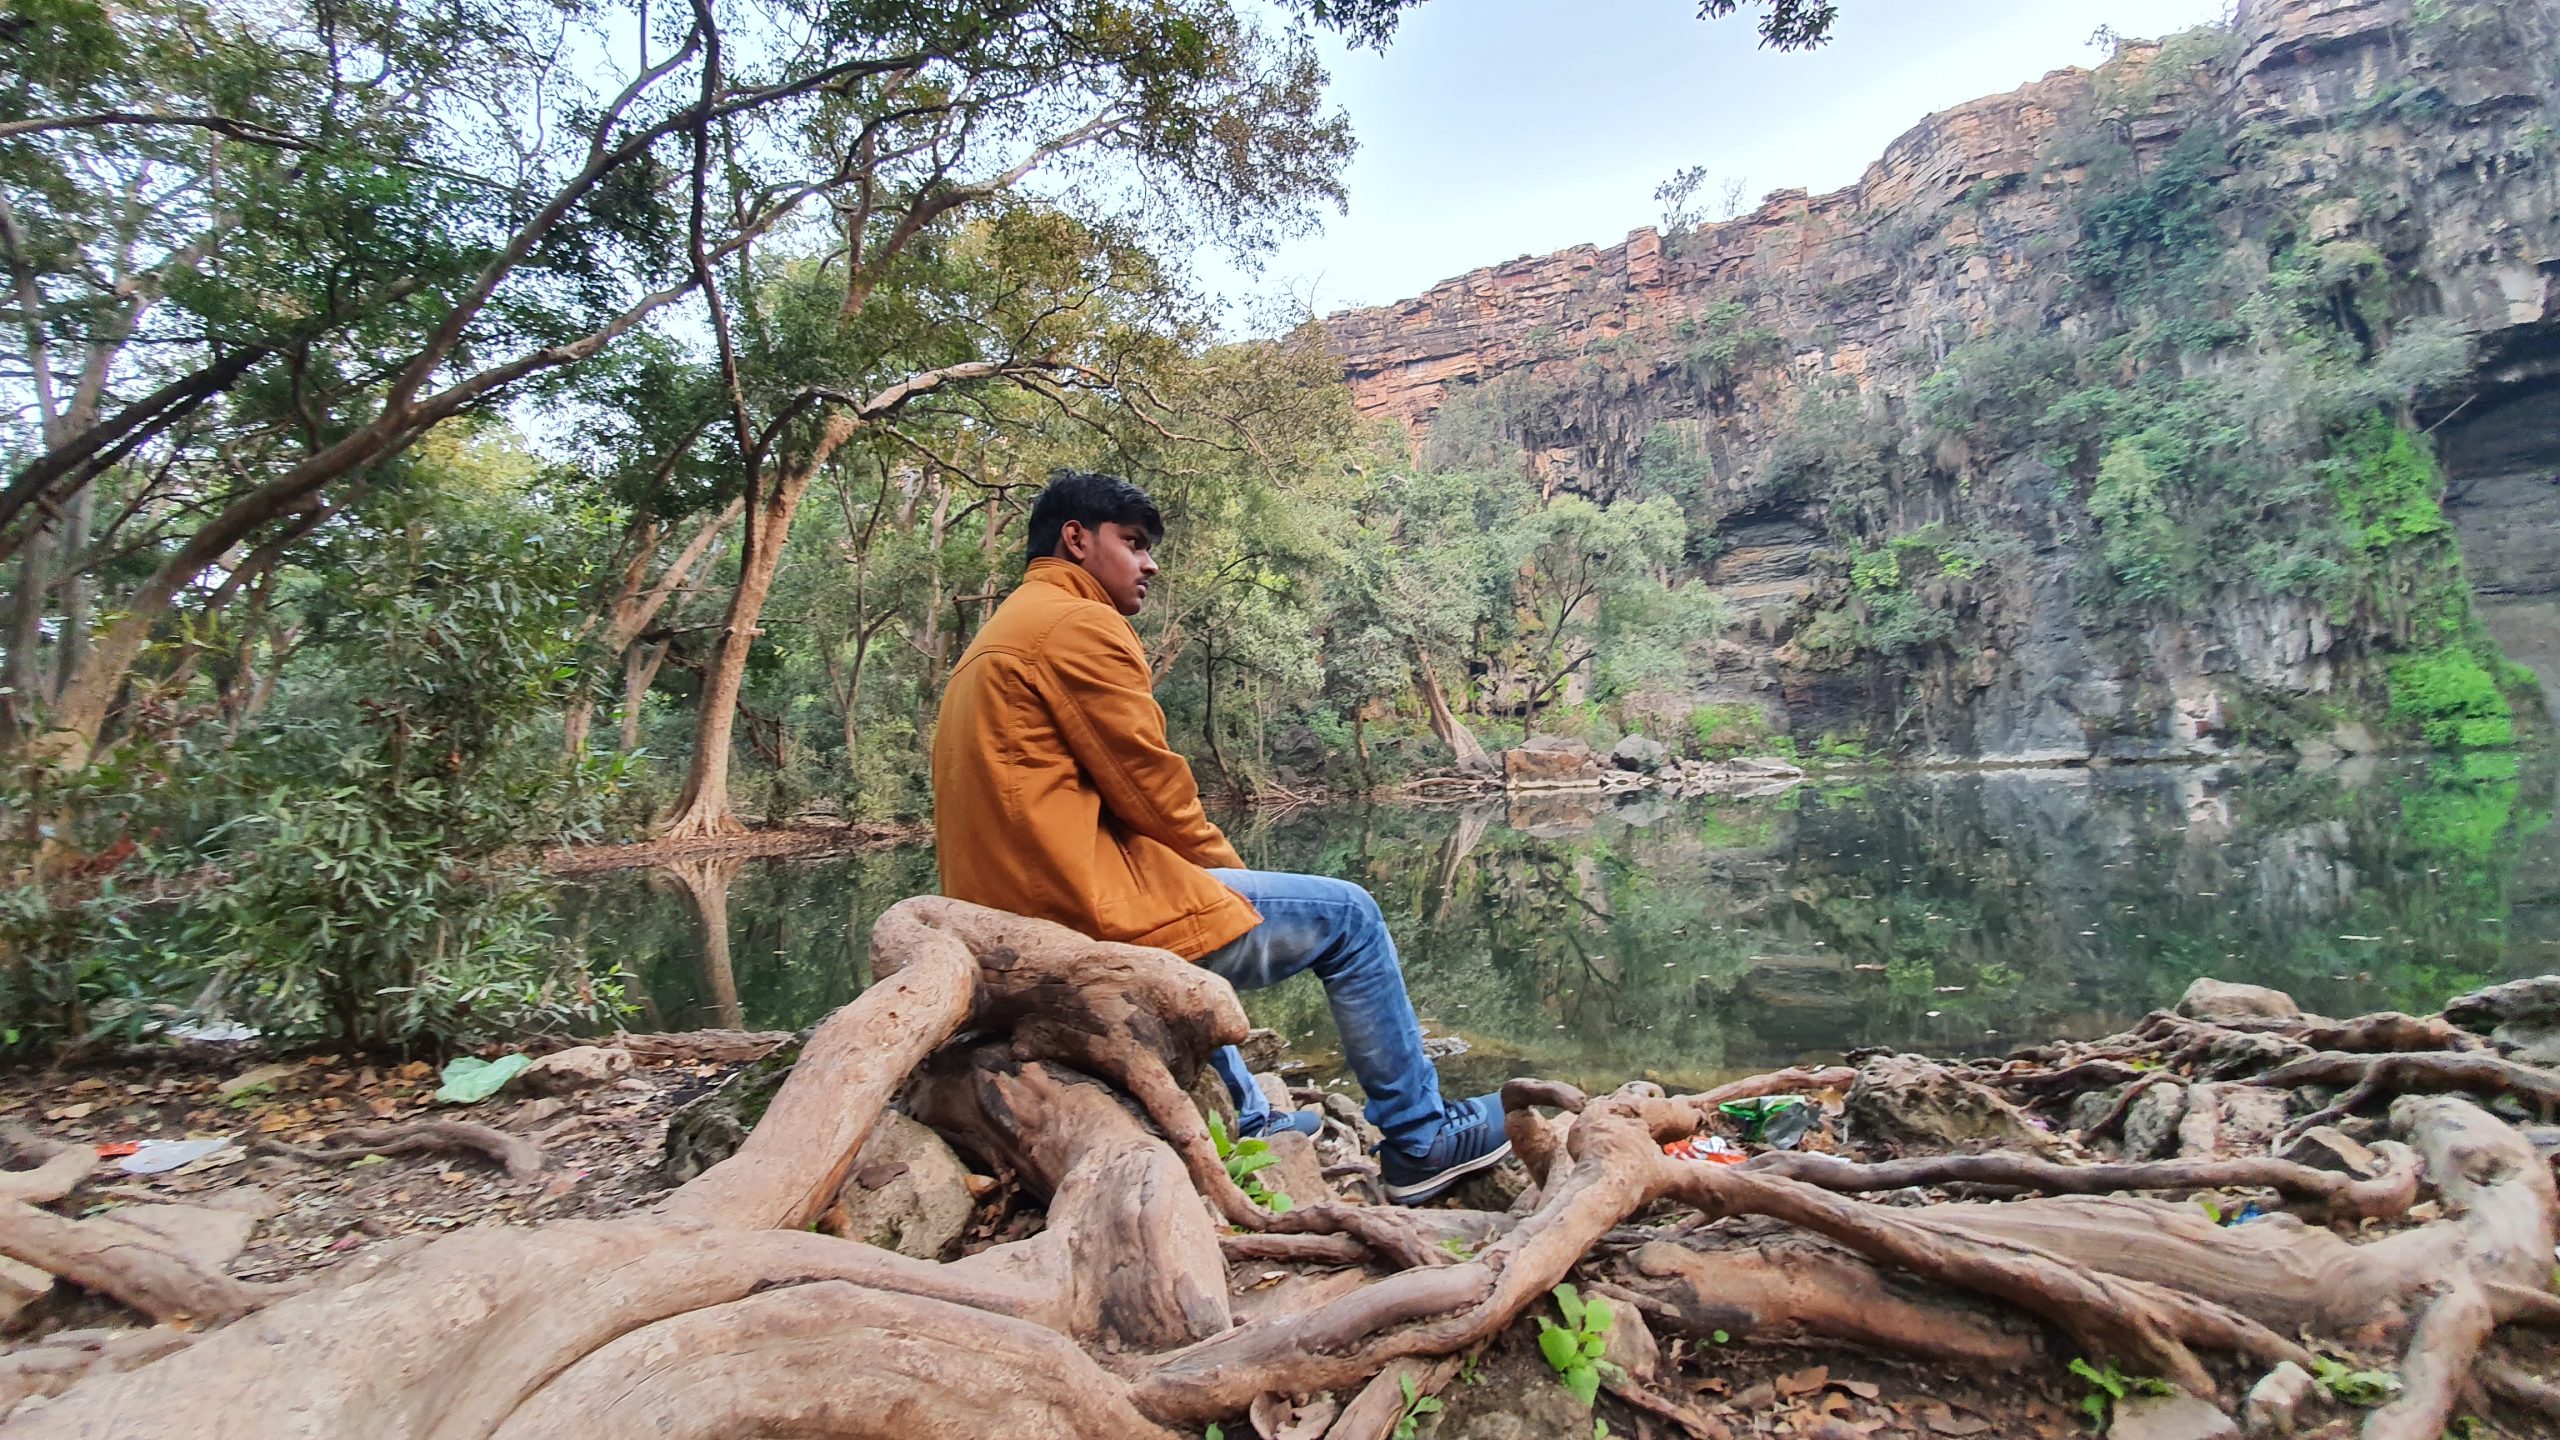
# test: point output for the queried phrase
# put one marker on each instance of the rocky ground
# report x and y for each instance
(1732, 1327)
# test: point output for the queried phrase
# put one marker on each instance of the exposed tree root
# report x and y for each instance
(40, 1171)
(1783, 1286)
(2504, 1380)
(719, 1315)
(519, 1157)
(1372, 1413)
(50, 1366)
(2370, 1077)
(130, 1265)
(2346, 1197)
(704, 1047)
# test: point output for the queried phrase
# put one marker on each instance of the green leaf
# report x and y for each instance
(1562, 1351)
(1583, 1384)
(2367, 1388)
(1280, 1203)
(468, 1079)
(1213, 1433)
(1722, 1337)
(1569, 1300)
(1597, 1317)
(1405, 1383)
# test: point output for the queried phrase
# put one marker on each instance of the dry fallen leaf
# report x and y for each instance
(1859, 1388)
(1804, 1382)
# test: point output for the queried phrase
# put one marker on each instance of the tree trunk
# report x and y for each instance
(635, 610)
(703, 808)
(1463, 747)
(79, 587)
(639, 671)
(20, 678)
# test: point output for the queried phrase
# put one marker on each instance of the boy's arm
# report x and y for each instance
(1107, 710)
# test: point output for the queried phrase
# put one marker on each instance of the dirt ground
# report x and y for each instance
(603, 1146)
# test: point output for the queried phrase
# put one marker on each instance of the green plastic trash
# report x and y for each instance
(469, 1079)
(1777, 1121)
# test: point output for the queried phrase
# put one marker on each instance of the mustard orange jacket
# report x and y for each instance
(1055, 793)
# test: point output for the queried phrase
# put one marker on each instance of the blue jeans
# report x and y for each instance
(1314, 922)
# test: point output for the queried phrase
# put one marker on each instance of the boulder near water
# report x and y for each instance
(2220, 1001)
(1640, 754)
(2522, 1015)
(1551, 760)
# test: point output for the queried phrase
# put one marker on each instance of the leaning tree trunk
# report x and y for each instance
(635, 610)
(1453, 732)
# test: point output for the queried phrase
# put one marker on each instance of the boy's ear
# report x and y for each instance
(1073, 539)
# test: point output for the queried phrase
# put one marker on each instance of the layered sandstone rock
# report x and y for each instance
(2432, 141)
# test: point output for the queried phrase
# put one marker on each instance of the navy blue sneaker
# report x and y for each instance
(1470, 1140)
(1305, 1122)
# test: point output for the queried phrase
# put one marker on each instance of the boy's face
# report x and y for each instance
(1117, 555)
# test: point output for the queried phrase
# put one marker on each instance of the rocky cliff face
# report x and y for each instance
(1984, 449)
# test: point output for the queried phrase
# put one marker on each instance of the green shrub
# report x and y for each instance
(1719, 732)
(2452, 698)
(2387, 486)
(2140, 542)
(377, 879)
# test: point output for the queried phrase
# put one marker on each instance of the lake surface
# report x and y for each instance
(1956, 912)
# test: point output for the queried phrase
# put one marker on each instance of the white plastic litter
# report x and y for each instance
(155, 1157)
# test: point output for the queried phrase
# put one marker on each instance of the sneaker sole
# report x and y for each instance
(1421, 1190)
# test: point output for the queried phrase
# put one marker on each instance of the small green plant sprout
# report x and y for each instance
(1214, 1432)
(1573, 1349)
(1471, 1367)
(2108, 1386)
(1416, 1405)
(2365, 1388)
(1458, 1247)
(1722, 1338)
(1244, 1159)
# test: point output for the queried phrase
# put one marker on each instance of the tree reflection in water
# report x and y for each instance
(1953, 912)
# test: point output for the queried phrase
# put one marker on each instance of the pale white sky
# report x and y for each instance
(1497, 128)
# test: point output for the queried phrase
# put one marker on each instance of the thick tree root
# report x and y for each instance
(1780, 1286)
(719, 1315)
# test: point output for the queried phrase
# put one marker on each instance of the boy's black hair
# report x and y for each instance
(1090, 500)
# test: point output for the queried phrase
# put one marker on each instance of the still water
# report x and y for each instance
(1958, 912)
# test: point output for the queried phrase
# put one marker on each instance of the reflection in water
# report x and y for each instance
(1960, 912)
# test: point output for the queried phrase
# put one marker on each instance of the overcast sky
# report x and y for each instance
(1497, 128)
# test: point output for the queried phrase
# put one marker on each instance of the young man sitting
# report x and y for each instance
(1056, 795)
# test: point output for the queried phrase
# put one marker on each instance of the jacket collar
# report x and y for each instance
(1068, 577)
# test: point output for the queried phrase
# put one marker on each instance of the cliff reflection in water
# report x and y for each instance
(1955, 912)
